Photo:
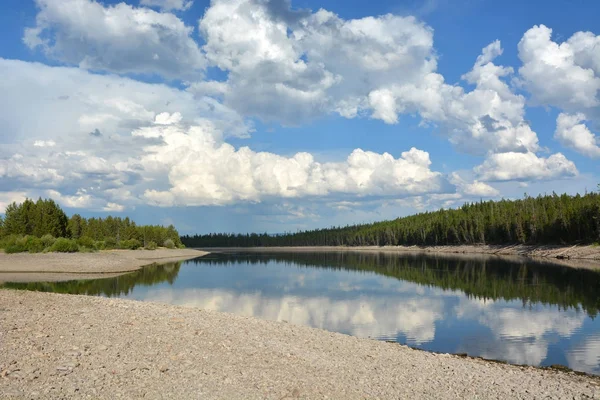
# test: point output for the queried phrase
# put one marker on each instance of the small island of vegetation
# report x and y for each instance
(42, 226)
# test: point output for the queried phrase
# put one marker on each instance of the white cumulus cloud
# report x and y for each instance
(572, 132)
(525, 166)
(565, 75)
(118, 38)
(203, 170)
(125, 142)
(296, 65)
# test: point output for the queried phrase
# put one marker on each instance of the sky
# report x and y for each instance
(278, 115)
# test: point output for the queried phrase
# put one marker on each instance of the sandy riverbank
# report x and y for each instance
(64, 346)
(587, 256)
(25, 267)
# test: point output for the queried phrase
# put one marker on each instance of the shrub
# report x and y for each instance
(181, 246)
(169, 244)
(18, 244)
(9, 240)
(151, 245)
(130, 244)
(15, 248)
(48, 240)
(100, 245)
(32, 244)
(86, 241)
(63, 245)
(110, 243)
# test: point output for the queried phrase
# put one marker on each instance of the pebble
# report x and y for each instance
(246, 359)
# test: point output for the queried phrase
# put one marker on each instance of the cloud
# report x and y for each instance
(566, 75)
(363, 316)
(19, 172)
(525, 166)
(474, 189)
(585, 356)
(572, 133)
(168, 119)
(297, 65)
(297, 69)
(80, 200)
(168, 5)
(113, 207)
(520, 335)
(164, 146)
(44, 143)
(119, 38)
(203, 170)
(7, 197)
(69, 103)
(490, 118)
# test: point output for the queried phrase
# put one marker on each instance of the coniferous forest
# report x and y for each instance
(44, 226)
(549, 219)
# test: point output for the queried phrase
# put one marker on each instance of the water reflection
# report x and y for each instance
(526, 313)
(119, 286)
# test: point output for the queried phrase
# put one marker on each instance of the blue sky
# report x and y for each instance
(271, 115)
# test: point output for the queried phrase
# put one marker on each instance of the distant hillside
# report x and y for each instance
(550, 219)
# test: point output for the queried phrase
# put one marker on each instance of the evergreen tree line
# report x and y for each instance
(549, 219)
(43, 225)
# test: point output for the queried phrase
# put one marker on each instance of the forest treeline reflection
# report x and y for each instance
(492, 278)
(110, 287)
(482, 277)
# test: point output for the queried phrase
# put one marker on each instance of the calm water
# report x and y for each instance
(525, 313)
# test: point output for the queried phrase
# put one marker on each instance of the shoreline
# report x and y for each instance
(71, 346)
(587, 256)
(53, 267)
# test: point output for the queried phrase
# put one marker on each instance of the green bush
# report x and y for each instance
(169, 244)
(48, 240)
(110, 243)
(32, 244)
(181, 246)
(15, 248)
(63, 245)
(17, 244)
(151, 245)
(9, 240)
(86, 241)
(130, 244)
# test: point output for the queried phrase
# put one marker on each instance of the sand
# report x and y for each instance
(49, 267)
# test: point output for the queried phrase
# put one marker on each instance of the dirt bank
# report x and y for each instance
(587, 256)
(64, 346)
(25, 267)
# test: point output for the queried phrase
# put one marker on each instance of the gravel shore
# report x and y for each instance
(26, 267)
(65, 346)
